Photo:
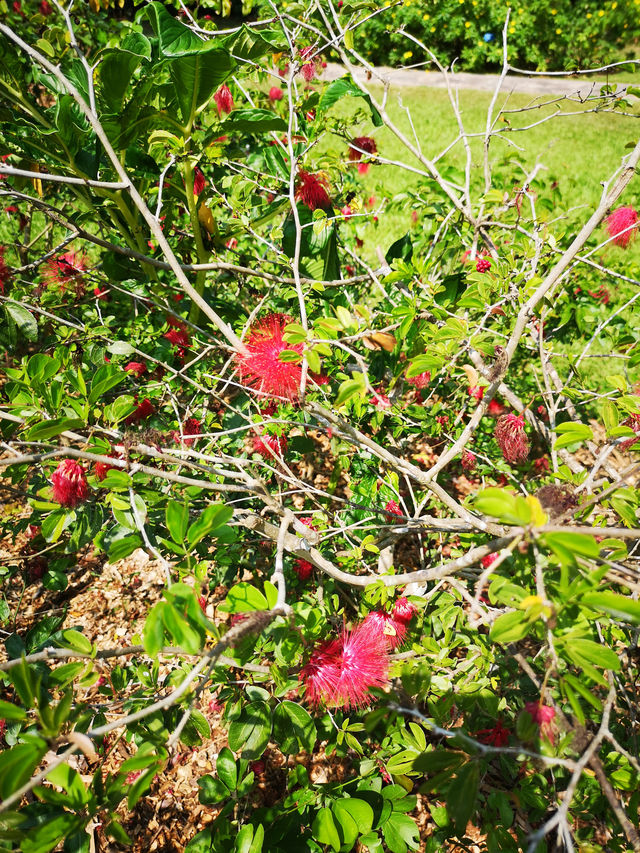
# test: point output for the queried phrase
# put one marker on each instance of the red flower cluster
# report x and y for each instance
(269, 446)
(64, 270)
(302, 568)
(391, 627)
(199, 180)
(190, 429)
(512, 439)
(341, 671)
(489, 560)
(421, 380)
(178, 336)
(311, 67)
(468, 460)
(276, 93)
(143, 411)
(5, 272)
(495, 736)
(138, 368)
(261, 367)
(69, 482)
(312, 190)
(393, 509)
(45, 8)
(633, 422)
(224, 99)
(380, 400)
(368, 148)
(483, 265)
(543, 715)
(101, 469)
(621, 225)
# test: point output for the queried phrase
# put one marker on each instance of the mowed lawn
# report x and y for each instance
(576, 151)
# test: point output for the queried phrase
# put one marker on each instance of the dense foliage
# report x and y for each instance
(391, 492)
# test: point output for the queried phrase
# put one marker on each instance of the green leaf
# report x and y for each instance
(595, 653)
(212, 790)
(461, 797)
(343, 87)
(572, 433)
(293, 728)
(253, 121)
(212, 522)
(69, 779)
(358, 810)
(619, 606)
(106, 377)
(23, 319)
(499, 504)
(226, 768)
(324, 829)
(116, 73)
(153, 632)
(48, 429)
(243, 598)
(348, 389)
(567, 546)
(196, 76)
(72, 639)
(177, 519)
(11, 712)
(18, 764)
(250, 733)
(121, 548)
(400, 833)
(402, 248)
(175, 39)
(54, 525)
(510, 627)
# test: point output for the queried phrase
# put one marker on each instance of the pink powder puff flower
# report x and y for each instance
(101, 469)
(308, 522)
(392, 510)
(421, 380)
(543, 715)
(64, 270)
(302, 568)
(495, 736)
(489, 560)
(346, 211)
(143, 411)
(483, 265)
(138, 368)
(621, 225)
(468, 460)
(269, 446)
(178, 337)
(633, 422)
(199, 181)
(276, 93)
(366, 145)
(342, 671)
(69, 482)
(380, 400)
(321, 675)
(102, 295)
(190, 430)
(391, 632)
(312, 190)
(476, 391)
(601, 295)
(224, 100)
(45, 8)
(17, 8)
(261, 368)
(443, 420)
(541, 465)
(495, 409)
(512, 439)
(404, 610)
(5, 272)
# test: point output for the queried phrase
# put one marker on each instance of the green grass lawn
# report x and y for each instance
(577, 151)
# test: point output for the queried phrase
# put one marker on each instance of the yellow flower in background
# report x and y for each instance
(558, 32)
(467, 24)
(426, 17)
(554, 11)
(589, 15)
(601, 13)
(407, 54)
(433, 29)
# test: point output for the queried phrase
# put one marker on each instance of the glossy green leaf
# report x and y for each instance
(251, 731)
(614, 604)
(461, 797)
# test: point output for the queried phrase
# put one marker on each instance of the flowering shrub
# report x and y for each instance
(383, 490)
(543, 35)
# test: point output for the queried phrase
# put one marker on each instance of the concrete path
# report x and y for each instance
(535, 85)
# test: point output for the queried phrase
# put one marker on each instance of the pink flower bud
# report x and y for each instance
(69, 483)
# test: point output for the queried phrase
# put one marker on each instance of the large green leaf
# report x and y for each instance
(174, 38)
(461, 797)
(250, 733)
(616, 605)
(254, 121)
(293, 728)
(338, 89)
(196, 77)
